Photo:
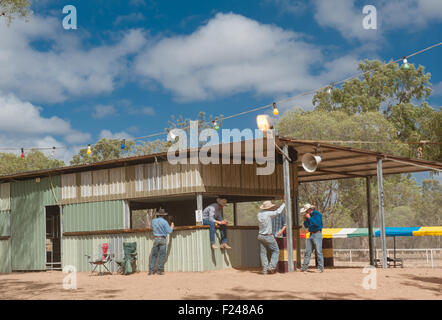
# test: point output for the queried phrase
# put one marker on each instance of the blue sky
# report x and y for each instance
(132, 64)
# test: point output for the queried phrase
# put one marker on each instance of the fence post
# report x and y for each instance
(351, 261)
(432, 265)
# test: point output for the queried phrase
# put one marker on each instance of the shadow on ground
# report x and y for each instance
(23, 290)
(435, 281)
(239, 293)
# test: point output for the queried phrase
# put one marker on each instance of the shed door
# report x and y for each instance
(53, 238)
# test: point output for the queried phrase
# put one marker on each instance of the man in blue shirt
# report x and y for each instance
(313, 222)
(161, 229)
(213, 214)
(279, 226)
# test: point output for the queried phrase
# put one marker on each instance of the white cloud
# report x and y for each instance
(147, 111)
(437, 89)
(22, 125)
(107, 134)
(232, 54)
(411, 14)
(346, 16)
(102, 111)
(64, 68)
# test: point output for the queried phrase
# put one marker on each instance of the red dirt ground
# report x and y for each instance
(337, 283)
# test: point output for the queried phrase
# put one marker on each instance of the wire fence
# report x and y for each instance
(428, 257)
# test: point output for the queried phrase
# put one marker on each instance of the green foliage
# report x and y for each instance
(105, 149)
(12, 8)
(401, 97)
(34, 160)
(382, 85)
(111, 149)
(151, 147)
(338, 125)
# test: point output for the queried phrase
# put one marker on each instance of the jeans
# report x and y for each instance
(314, 240)
(268, 243)
(158, 251)
(222, 229)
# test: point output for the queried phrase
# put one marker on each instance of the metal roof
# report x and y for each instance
(337, 162)
(343, 162)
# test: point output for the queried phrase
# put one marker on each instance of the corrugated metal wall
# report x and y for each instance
(28, 221)
(93, 216)
(187, 250)
(5, 256)
(162, 178)
(5, 201)
(4, 223)
(138, 181)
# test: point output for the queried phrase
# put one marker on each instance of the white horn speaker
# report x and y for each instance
(310, 162)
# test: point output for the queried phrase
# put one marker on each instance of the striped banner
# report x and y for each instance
(341, 233)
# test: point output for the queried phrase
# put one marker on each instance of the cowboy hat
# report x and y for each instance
(306, 207)
(161, 212)
(266, 205)
(221, 201)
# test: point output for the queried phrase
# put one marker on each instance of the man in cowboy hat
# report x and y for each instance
(266, 239)
(161, 229)
(313, 222)
(214, 214)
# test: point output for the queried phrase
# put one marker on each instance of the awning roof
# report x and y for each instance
(337, 162)
(343, 162)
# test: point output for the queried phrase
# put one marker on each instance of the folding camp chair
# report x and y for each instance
(129, 264)
(104, 259)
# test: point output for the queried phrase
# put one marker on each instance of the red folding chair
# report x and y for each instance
(104, 259)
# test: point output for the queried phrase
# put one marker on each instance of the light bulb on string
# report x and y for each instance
(330, 88)
(264, 123)
(123, 144)
(275, 109)
(53, 151)
(215, 125)
(22, 153)
(172, 134)
(89, 151)
(405, 65)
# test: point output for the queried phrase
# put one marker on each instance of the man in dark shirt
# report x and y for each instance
(313, 222)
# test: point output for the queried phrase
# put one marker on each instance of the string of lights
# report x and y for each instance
(215, 123)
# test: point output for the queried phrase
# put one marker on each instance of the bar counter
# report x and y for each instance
(188, 248)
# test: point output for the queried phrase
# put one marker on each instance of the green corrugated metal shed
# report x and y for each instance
(4, 223)
(28, 221)
(5, 256)
(93, 216)
(5, 243)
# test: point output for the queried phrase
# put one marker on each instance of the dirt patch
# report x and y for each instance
(337, 283)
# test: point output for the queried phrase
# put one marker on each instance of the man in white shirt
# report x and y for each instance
(265, 237)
